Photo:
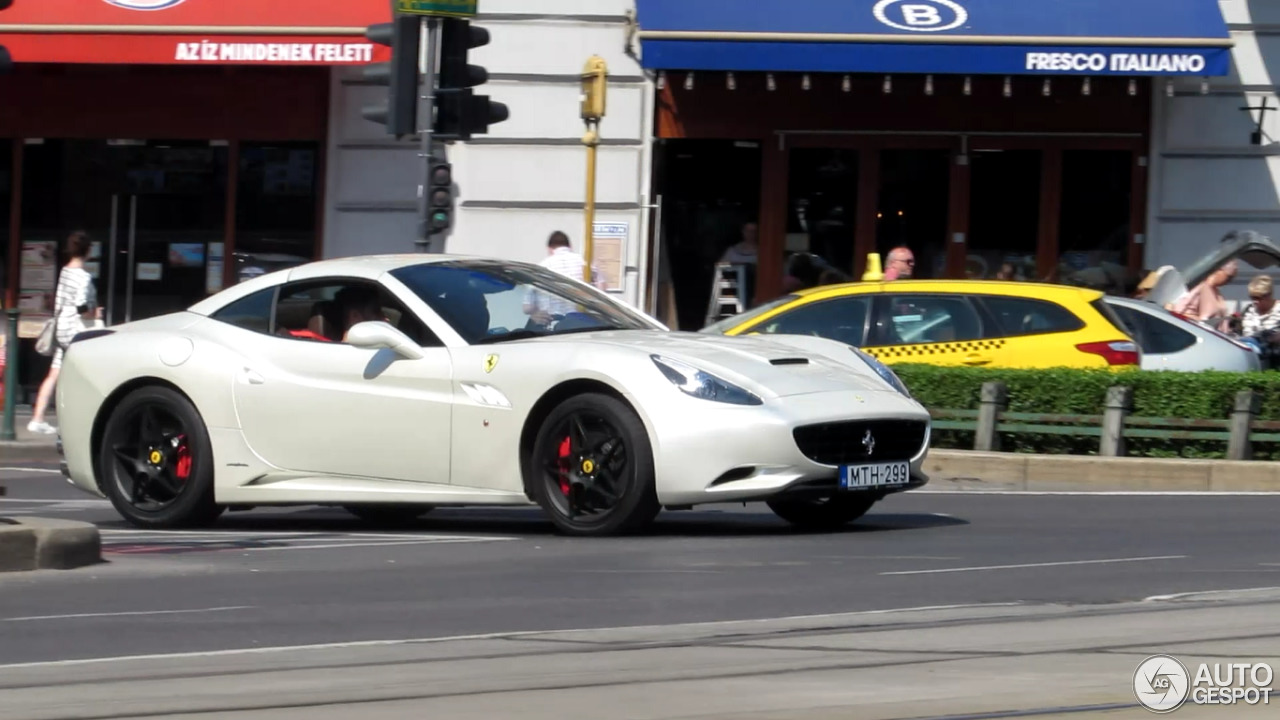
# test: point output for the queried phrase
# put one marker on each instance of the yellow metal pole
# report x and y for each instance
(594, 88)
(592, 141)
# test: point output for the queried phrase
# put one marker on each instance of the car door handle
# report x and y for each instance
(976, 359)
(252, 377)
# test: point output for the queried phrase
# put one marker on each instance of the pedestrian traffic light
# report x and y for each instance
(400, 110)
(460, 112)
(440, 197)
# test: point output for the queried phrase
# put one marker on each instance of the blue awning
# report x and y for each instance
(1000, 37)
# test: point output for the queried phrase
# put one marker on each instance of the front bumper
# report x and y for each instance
(706, 453)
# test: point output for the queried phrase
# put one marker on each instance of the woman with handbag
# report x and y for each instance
(75, 304)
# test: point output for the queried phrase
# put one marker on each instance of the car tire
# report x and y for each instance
(828, 514)
(156, 461)
(388, 514)
(595, 478)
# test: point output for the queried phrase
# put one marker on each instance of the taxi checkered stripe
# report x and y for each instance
(946, 348)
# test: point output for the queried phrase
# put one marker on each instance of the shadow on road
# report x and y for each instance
(533, 523)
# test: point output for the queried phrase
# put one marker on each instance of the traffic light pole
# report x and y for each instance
(430, 53)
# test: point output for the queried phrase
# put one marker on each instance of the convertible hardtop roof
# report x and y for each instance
(360, 266)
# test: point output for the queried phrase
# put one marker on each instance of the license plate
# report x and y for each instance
(854, 477)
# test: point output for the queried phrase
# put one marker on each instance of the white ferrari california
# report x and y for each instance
(390, 385)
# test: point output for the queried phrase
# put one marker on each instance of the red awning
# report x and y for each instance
(193, 32)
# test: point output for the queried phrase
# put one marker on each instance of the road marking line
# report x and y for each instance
(123, 614)
(1132, 493)
(54, 502)
(275, 533)
(1177, 596)
(47, 471)
(481, 636)
(1034, 565)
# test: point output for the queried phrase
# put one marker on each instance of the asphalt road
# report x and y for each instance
(309, 576)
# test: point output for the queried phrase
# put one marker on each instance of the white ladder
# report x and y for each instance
(726, 291)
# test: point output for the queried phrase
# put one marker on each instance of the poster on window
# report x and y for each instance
(37, 284)
(213, 269)
(608, 244)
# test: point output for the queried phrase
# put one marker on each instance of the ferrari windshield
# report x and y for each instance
(493, 301)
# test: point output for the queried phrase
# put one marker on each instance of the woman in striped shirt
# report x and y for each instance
(76, 304)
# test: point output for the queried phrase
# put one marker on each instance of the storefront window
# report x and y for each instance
(822, 217)
(913, 211)
(1004, 215)
(1094, 229)
(277, 196)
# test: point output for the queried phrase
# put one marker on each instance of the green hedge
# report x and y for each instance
(1204, 395)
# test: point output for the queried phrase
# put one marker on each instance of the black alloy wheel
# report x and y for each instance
(829, 513)
(156, 461)
(594, 467)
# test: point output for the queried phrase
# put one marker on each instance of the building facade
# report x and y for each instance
(199, 140)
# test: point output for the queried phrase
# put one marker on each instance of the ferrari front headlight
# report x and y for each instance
(704, 385)
(886, 374)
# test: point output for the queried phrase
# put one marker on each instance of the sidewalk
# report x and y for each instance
(29, 447)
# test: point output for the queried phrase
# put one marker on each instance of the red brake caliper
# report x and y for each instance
(564, 465)
(183, 470)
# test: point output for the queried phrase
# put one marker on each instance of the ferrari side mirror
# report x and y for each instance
(377, 335)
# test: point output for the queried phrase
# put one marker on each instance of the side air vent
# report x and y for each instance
(790, 361)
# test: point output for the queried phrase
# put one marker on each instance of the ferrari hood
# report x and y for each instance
(772, 365)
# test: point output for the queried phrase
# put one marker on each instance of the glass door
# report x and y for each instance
(822, 217)
(154, 210)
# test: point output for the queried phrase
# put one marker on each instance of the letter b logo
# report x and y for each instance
(921, 15)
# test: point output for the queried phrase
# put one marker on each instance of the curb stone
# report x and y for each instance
(31, 543)
(1013, 472)
(19, 451)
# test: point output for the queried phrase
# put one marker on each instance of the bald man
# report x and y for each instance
(900, 265)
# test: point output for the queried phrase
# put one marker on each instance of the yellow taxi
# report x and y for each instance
(977, 323)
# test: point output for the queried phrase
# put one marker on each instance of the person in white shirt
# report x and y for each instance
(75, 306)
(562, 259)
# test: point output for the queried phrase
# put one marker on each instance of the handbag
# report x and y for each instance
(48, 337)
(47, 341)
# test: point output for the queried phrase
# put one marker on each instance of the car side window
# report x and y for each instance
(1155, 336)
(910, 319)
(252, 312)
(1019, 317)
(312, 311)
(843, 319)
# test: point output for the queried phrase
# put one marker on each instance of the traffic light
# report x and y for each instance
(439, 196)
(460, 113)
(400, 110)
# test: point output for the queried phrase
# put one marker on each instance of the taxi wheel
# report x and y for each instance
(826, 514)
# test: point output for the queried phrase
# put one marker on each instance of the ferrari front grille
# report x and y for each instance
(860, 441)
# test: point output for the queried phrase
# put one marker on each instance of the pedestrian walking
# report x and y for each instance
(542, 308)
(75, 304)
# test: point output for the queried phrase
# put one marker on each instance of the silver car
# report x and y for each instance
(1171, 342)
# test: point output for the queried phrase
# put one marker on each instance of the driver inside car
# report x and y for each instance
(358, 304)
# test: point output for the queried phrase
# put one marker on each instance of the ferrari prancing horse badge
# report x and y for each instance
(490, 362)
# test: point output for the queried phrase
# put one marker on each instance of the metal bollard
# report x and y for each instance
(995, 398)
(1119, 404)
(1248, 404)
(8, 432)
